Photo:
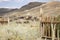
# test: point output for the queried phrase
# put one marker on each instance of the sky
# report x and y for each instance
(17, 3)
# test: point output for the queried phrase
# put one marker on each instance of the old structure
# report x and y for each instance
(50, 20)
(45, 17)
(49, 28)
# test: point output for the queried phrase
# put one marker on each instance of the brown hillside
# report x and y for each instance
(31, 5)
(51, 8)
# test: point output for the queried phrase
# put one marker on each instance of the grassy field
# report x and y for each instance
(13, 31)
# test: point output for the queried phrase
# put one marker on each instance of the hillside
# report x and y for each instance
(4, 11)
(51, 8)
(30, 5)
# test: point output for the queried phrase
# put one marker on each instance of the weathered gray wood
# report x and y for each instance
(52, 31)
(53, 26)
(58, 34)
(40, 31)
(43, 28)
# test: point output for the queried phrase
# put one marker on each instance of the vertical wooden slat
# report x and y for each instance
(58, 34)
(53, 31)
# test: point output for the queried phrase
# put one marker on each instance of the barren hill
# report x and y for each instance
(31, 5)
(51, 8)
(4, 11)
